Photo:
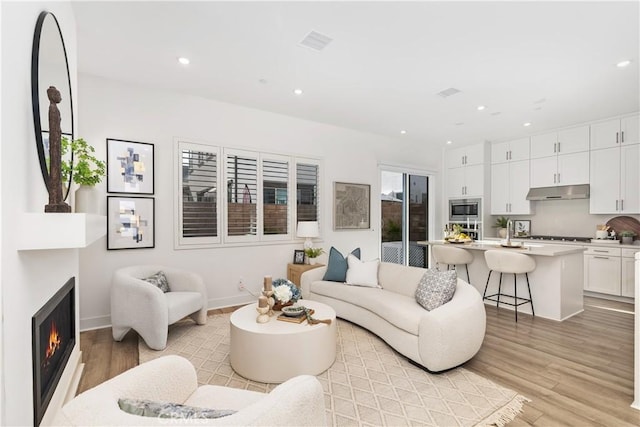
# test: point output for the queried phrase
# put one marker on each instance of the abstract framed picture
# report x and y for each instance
(130, 167)
(351, 206)
(130, 222)
(522, 228)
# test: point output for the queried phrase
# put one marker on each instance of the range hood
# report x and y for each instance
(563, 192)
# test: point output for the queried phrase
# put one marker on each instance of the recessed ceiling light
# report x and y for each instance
(297, 91)
(623, 64)
(403, 131)
(526, 124)
(481, 107)
(183, 60)
(449, 142)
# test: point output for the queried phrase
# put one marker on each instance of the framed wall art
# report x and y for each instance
(130, 167)
(351, 206)
(130, 222)
(521, 228)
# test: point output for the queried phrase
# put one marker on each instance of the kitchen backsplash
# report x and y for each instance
(563, 218)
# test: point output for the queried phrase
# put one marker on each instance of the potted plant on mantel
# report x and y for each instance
(87, 172)
(501, 224)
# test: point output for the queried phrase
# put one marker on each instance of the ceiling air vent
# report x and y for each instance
(316, 41)
(448, 92)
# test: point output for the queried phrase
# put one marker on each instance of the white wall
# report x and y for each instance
(29, 278)
(115, 110)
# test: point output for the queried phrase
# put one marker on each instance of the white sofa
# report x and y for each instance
(143, 307)
(438, 340)
(296, 402)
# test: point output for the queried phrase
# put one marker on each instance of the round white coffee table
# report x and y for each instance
(276, 351)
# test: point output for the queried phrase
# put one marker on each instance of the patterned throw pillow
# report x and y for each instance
(337, 265)
(436, 288)
(148, 408)
(160, 280)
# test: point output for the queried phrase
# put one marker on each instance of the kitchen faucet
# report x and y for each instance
(509, 227)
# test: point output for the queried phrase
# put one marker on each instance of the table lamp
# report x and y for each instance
(308, 229)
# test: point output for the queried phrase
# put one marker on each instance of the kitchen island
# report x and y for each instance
(556, 283)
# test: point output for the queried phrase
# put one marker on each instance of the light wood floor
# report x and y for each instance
(577, 373)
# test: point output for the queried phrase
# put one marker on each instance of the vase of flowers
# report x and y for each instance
(285, 293)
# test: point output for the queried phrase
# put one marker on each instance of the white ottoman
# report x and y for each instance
(276, 351)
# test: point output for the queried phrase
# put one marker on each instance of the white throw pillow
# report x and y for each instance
(362, 273)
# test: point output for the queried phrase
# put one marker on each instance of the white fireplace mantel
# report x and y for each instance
(45, 231)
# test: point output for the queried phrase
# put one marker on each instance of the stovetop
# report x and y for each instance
(560, 238)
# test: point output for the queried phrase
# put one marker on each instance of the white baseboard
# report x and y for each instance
(98, 322)
(101, 322)
(231, 301)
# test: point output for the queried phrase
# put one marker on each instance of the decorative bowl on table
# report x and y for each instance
(293, 311)
(458, 241)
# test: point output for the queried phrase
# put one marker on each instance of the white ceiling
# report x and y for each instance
(548, 63)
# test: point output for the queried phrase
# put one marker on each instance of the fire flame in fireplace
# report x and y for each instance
(54, 342)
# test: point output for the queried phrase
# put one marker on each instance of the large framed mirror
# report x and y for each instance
(50, 67)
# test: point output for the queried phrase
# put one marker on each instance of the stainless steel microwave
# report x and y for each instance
(464, 209)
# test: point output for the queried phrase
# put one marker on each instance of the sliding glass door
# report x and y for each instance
(405, 217)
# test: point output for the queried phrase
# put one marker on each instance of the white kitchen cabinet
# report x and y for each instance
(465, 171)
(627, 289)
(615, 180)
(615, 132)
(602, 270)
(465, 156)
(509, 188)
(566, 169)
(465, 181)
(517, 149)
(563, 141)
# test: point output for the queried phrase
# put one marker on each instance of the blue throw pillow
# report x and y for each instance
(337, 265)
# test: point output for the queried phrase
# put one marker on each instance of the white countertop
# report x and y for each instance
(537, 248)
(635, 245)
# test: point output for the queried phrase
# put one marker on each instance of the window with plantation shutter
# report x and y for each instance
(275, 196)
(228, 196)
(242, 195)
(307, 178)
(198, 203)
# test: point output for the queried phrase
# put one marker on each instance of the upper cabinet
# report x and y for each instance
(560, 157)
(612, 133)
(465, 171)
(563, 141)
(502, 152)
(465, 156)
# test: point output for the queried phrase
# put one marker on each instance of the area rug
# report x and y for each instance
(370, 384)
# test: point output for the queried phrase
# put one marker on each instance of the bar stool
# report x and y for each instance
(452, 256)
(504, 261)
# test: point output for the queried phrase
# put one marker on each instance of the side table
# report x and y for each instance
(294, 271)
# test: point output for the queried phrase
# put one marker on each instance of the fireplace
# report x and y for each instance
(53, 333)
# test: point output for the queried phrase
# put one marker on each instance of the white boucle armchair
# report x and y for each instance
(296, 402)
(141, 306)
